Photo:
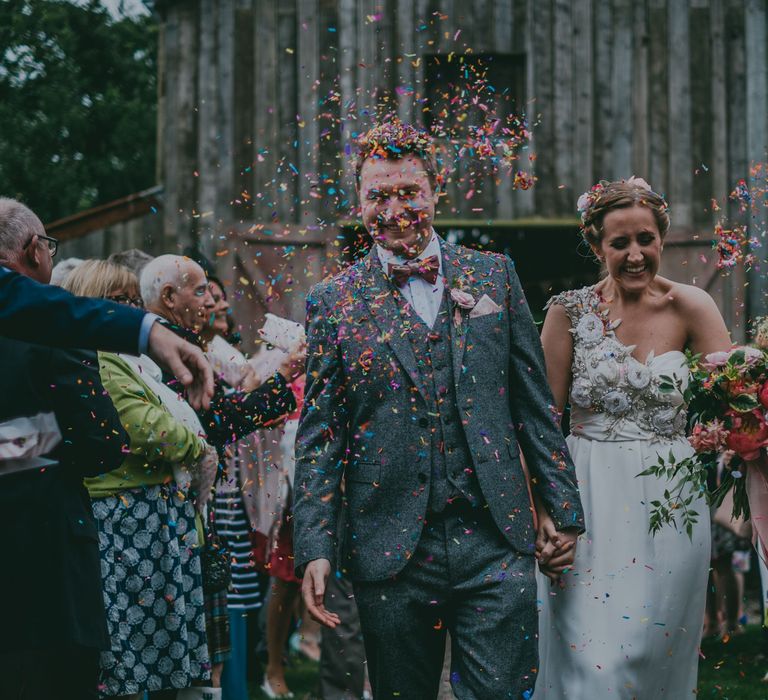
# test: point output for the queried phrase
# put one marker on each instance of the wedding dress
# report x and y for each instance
(627, 623)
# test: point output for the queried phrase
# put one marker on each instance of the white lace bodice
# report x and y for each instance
(613, 395)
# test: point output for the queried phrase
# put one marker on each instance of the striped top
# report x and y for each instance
(233, 528)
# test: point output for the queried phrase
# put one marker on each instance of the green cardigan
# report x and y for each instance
(157, 439)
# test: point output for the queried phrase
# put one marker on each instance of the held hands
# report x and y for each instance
(555, 550)
(313, 592)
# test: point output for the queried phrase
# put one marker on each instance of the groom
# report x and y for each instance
(425, 376)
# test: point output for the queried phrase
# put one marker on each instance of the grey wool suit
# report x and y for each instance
(424, 426)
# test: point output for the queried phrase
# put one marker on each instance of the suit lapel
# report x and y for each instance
(453, 271)
(378, 295)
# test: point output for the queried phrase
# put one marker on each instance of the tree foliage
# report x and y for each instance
(78, 101)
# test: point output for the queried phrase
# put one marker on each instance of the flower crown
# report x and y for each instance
(591, 197)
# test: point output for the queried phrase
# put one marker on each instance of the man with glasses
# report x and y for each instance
(32, 311)
(176, 288)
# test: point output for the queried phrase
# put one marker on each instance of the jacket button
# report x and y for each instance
(422, 478)
(423, 422)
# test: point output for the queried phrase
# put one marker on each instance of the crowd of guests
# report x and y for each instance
(144, 547)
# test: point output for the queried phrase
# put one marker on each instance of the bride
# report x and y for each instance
(626, 619)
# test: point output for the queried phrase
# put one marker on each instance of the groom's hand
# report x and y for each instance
(313, 592)
(555, 549)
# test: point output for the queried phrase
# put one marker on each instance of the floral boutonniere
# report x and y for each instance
(463, 301)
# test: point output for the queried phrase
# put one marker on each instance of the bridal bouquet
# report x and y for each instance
(728, 414)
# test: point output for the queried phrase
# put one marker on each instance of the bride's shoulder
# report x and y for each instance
(582, 298)
(685, 298)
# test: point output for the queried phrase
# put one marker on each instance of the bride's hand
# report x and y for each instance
(555, 551)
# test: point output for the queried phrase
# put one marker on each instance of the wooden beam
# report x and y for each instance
(120, 210)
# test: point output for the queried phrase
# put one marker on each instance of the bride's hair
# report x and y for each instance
(605, 196)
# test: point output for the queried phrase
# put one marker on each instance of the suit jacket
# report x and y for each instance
(50, 586)
(40, 313)
(365, 416)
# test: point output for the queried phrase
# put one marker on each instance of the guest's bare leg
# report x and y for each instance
(309, 634)
(279, 613)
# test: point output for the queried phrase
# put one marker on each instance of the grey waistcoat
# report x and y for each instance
(451, 475)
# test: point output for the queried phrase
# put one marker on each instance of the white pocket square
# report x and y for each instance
(485, 306)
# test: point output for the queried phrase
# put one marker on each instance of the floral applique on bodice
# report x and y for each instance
(613, 395)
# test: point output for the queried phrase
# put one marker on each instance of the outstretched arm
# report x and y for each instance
(40, 313)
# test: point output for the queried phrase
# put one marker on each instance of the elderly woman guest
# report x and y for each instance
(626, 620)
(147, 533)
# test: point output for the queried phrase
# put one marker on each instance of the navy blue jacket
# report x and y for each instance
(40, 313)
(51, 586)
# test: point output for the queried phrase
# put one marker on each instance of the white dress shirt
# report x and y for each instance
(425, 298)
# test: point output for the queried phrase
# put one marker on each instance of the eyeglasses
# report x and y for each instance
(138, 302)
(53, 243)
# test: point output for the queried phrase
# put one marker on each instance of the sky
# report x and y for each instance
(118, 8)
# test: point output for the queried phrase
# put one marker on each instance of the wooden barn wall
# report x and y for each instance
(259, 101)
(144, 233)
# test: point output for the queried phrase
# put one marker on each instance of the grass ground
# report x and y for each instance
(734, 670)
(301, 676)
(731, 670)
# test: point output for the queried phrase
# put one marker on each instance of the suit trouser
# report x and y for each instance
(342, 659)
(464, 578)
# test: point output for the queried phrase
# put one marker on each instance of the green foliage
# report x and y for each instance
(78, 95)
(687, 482)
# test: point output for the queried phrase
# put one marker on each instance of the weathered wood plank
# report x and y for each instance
(522, 38)
(349, 96)
(181, 132)
(736, 85)
(563, 115)
(287, 111)
(208, 165)
(582, 176)
(756, 33)
(621, 90)
(701, 117)
(265, 124)
(602, 34)
(225, 103)
(680, 144)
(503, 16)
(405, 59)
(640, 104)
(719, 165)
(542, 63)
(658, 135)
(308, 53)
(243, 109)
(329, 147)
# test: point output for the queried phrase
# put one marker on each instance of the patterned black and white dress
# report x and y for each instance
(153, 591)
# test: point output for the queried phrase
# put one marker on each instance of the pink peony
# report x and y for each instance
(715, 360)
(763, 395)
(709, 437)
(748, 435)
